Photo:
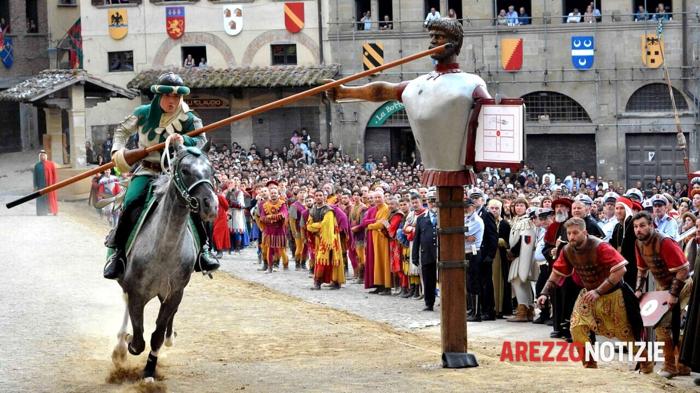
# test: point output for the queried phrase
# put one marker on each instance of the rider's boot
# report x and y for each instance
(116, 239)
(206, 262)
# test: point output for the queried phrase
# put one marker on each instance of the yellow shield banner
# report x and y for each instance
(118, 23)
(652, 51)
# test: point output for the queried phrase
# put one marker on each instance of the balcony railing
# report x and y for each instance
(649, 20)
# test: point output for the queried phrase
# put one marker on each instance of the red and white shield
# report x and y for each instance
(653, 306)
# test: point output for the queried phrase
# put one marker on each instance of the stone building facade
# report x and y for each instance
(263, 42)
(614, 119)
(29, 55)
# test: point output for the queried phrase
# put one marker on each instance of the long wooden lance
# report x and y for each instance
(132, 156)
(680, 136)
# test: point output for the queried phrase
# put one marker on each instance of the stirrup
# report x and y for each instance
(115, 266)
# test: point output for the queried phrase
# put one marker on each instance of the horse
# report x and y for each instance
(162, 256)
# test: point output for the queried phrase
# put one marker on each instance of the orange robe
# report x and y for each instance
(380, 243)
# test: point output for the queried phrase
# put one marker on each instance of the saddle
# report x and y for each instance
(148, 208)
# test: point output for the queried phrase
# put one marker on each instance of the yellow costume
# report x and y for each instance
(382, 268)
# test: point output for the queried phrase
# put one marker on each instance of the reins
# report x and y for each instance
(172, 169)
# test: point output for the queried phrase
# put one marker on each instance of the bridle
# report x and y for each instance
(183, 190)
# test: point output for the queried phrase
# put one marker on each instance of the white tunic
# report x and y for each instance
(438, 107)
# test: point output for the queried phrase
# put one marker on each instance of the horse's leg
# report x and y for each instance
(165, 316)
(136, 305)
(119, 352)
(170, 334)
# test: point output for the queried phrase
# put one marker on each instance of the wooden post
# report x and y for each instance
(453, 293)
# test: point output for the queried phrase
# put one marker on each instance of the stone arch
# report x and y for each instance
(557, 106)
(278, 35)
(654, 97)
(194, 38)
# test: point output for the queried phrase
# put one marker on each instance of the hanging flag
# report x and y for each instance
(582, 52)
(117, 20)
(372, 55)
(512, 54)
(7, 53)
(233, 19)
(75, 41)
(652, 48)
(175, 21)
(294, 17)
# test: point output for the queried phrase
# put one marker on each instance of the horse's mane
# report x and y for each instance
(160, 185)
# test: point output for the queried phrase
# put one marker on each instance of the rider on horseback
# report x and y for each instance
(167, 114)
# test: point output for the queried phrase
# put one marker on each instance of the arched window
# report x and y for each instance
(655, 98)
(553, 106)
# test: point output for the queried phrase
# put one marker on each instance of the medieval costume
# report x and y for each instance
(325, 234)
(308, 239)
(153, 125)
(662, 256)
(397, 253)
(409, 232)
(369, 218)
(523, 268)
(344, 232)
(297, 230)
(236, 203)
(356, 251)
(274, 216)
(564, 297)
(615, 312)
(690, 348)
(380, 245)
(501, 286)
(221, 234)
(44, 176)
(623, 240)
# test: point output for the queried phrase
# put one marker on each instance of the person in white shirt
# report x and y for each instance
(663, 223)
(574, 16)
(472, 250)
(609, 221)
(549, 175)
(432, 15)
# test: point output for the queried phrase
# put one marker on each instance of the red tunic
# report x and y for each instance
(606, 256)
(51, 178)
(394, 245)
(670, 253)
(222, 238)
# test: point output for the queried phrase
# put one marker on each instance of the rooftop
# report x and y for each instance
(271, 76)
(49, 82)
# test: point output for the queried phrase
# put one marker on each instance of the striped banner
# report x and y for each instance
(372, 55)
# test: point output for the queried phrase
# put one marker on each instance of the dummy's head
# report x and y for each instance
(443, 31)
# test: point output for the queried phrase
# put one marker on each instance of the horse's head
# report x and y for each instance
(192, 174)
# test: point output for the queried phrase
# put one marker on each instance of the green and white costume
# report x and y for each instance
(153, 127)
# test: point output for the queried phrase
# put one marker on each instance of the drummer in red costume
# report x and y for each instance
(661, 255)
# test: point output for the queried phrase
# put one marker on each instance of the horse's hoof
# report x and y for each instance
(149, 380)
(136, 350)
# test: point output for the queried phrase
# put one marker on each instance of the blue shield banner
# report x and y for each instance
(582, 52)
(7, 53)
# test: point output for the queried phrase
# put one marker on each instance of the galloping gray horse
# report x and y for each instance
(163, 253)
